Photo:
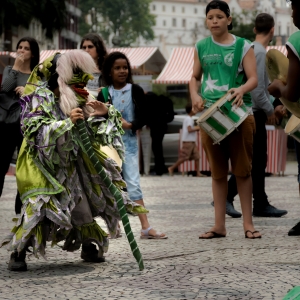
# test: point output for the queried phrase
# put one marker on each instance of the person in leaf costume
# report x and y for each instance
(63, 177)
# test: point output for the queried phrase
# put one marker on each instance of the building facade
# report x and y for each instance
(68, 38)
(181, 23)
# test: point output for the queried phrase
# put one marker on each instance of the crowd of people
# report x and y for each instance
(60, 202)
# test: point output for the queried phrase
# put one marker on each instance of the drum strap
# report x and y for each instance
(236, 81)
(105, 94)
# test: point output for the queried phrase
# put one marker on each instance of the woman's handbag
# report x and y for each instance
(10, 109)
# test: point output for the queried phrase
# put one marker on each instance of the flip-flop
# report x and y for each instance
(145, 235)
(252, 232)
(214, 235)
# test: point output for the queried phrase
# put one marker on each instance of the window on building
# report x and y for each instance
(164, 23)
(195, 10)
(183, 9)
(174, 22)
(288, 30)
(153, 7)
(183, 23)
(163, 8)
(279, 29)
(173, 8)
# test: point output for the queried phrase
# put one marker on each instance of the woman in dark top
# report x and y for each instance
(13, 83)
(93, 44)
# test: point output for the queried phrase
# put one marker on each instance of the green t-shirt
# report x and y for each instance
(294, 43)
(216, 61)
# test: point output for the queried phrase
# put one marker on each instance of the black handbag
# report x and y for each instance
(10, 109)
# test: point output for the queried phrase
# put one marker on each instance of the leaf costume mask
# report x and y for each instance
(63, 177)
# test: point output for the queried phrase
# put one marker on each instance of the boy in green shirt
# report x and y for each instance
(214, 58)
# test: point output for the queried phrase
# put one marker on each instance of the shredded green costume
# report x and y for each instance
(60, 188)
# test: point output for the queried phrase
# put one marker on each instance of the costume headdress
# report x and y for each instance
(69, 69)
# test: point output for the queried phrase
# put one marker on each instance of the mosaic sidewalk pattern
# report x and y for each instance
(181, 267)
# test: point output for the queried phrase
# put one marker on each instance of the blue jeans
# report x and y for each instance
(130, 168)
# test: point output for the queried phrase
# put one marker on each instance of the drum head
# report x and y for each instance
(212, 108)
(277, 65)
(292, 123)
(112, 153)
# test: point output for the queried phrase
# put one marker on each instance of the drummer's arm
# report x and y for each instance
(249, 65)
(291, 90)
(195, 84)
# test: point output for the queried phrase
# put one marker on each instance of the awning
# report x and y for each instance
(179, 67)
(44, 54)
(137, 56)
(147, 59)
(279, 48)
(7, 53)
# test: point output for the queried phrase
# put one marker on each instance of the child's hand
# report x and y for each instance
(100, 109)
(237, 94)
(76, 114)
(125, 124)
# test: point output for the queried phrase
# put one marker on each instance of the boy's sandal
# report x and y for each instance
(214, 235)
(158, 236)
(253, 236)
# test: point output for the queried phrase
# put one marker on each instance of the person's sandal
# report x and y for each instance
(145, 235)
(253, 236)
(214, 235)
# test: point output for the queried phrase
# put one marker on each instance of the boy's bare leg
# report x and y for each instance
(244, 186)
(219, 188)
(173, 167)
(144, 221)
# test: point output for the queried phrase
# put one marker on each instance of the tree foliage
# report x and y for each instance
(243, 24)
(50, 13)
(125, 20)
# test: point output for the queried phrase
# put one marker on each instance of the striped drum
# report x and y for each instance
(292, 127)
(222, 118)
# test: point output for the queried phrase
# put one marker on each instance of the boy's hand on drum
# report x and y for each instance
(100, 109)
(198, 104)
(76, 114)
(237, 94)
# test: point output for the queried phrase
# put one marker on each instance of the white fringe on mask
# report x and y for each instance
(66, 63)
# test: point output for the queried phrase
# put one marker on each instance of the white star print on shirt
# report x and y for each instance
(210, 85)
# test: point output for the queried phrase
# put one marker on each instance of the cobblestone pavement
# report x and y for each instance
(181, 267)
